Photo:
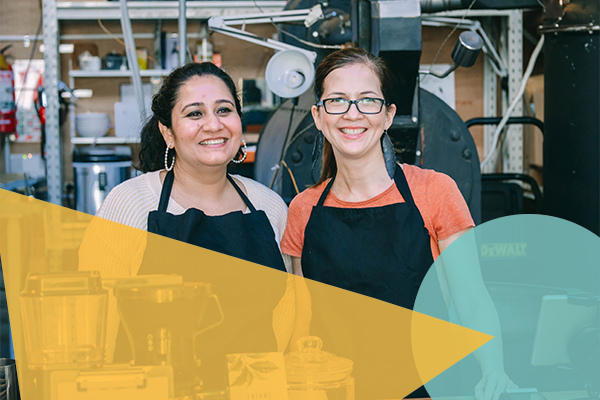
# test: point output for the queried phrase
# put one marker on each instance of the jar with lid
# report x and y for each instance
(314, 374)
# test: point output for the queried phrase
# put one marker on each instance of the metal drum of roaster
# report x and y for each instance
(97, 171)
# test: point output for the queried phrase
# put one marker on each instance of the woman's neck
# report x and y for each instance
(361, 179)
(205, 188)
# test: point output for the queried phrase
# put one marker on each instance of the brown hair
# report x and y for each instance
(339, 59)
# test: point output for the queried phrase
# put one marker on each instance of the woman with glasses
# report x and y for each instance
(370, 225)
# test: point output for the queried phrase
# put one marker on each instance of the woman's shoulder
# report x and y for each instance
(309, 197)
(139, 185)
(135, 195)
(422, 176)
(259, 194)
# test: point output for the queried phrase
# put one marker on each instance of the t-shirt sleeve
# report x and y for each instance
(449, 211)
(293, 238)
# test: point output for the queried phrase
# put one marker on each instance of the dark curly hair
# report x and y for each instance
(339, 59)
(153, 146)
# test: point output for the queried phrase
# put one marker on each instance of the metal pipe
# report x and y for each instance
(433, 6)
(510, 121)
(132, 59)
(182, 33)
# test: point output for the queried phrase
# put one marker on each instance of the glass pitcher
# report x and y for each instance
(64, 316)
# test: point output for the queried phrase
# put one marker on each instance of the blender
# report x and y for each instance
(64, 320)
(64, 315)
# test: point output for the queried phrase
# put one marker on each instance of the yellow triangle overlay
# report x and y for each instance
(69, 349)
(434, 353)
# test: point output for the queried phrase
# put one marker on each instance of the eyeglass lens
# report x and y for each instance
(341, 106)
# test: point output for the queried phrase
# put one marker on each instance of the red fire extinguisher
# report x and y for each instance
(8, 108)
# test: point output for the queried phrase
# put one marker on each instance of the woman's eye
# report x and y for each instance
(338, 101)
(367, 101)
(194, 114)
(224, 110)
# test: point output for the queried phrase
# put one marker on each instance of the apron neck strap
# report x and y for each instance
(242, 194)
(325, 192)
(399, 178)
(402, 185)
(165, 193)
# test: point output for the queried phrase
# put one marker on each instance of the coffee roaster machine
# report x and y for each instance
(426, 131)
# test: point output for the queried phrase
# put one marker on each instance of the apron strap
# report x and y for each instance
(402, 185)
(165, 192)
(242, 194)
(325, 192)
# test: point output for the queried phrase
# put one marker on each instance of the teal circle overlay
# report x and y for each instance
(541, 277)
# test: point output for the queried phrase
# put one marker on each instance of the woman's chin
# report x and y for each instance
(353, 152)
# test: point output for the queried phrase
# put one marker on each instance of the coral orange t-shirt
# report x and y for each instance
(436, 195)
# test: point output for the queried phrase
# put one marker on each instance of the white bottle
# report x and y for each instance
(205, 47)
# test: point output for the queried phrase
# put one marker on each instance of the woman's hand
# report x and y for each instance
(492, 385)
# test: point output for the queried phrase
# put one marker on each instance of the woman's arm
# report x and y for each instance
(297, 266)
(475, 310)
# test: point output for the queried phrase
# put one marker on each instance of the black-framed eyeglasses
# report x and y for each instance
(368, 105)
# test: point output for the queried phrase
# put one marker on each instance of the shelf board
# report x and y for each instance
(105, 140)
(91, 10)
(107, 73)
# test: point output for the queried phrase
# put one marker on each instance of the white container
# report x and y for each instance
(91, 124)
(88, 62)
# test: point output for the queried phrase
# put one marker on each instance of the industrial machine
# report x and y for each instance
(425, 131)
(65, 317)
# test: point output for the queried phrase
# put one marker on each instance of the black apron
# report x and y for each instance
(246, 236)
(381, 252)
(247, 326)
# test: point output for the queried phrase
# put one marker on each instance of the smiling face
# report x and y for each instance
(205, 128)
(353, 135)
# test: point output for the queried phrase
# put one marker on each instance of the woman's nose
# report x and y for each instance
(353, 112)
(212, 123)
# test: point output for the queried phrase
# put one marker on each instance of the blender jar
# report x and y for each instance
(314, 374)
(64, 319)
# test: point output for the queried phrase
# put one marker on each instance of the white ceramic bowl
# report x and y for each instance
(92, 124)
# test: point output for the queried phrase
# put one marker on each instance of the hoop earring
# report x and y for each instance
(167, 167)
(389, 154)
(244, 150)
